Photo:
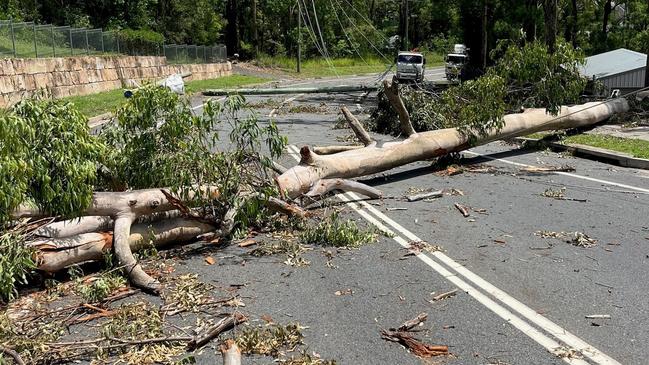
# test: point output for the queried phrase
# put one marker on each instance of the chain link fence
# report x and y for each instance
(29, 40)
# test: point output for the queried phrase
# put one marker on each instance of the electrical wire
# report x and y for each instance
(342, 27)
(366, 20)
(312, 34)
(361, 33)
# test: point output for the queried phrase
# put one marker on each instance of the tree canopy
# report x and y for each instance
(357, 27)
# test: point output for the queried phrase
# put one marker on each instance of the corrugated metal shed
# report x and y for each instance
(619, 69)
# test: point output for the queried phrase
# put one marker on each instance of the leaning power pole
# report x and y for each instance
(299, 37)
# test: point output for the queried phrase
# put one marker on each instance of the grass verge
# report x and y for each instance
(319, 67)
(109, 101)
(636, 147)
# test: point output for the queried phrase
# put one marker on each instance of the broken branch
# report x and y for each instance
(324, 186)
(392, 93)
(357, 127)
(222, 326)
(432, 194)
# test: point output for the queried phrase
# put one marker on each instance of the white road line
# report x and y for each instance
(527, 312)
(604, 182)
(531, 315)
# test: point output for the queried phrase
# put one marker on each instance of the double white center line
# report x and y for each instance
(545, 332)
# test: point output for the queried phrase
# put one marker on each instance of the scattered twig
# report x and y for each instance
(417, 347)
(598, 316)
(432, 194)
(412, 323)
(540, 170)
(11, 352)
(445, 295)
(464, 210)
(223, 325)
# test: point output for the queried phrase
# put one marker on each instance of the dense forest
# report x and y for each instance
(356, 27)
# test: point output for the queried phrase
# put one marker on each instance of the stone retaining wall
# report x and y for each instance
(71, 76)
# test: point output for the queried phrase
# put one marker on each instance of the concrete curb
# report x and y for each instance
(594, 153)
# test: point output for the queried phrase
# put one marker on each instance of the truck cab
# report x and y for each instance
(410, 66)
(456, 61)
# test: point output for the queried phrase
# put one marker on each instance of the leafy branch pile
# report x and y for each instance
(524, 76)
(158, 174)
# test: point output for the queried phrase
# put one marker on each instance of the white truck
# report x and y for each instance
(410, 66)
(456, 61)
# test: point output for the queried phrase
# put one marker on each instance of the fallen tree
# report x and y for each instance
(375, 158)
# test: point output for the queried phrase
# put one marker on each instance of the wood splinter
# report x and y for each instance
(464, 210)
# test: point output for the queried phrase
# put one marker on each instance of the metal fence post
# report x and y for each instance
(13, 36)
(117, 39)
(102, 42)
(71, 44)
(87, 45)
(35, 46)
(53, 42)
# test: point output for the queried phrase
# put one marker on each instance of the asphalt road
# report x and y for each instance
(522, 299)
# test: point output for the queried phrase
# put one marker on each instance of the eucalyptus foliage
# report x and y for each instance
(47, 157)
(159, 142)
(524, 76)
(16, 264)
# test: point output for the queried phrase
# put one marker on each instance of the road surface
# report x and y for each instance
(522, 298)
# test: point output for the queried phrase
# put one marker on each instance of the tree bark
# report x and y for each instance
(232, 28)
(550, 15)
(58, 253)
(425, 145)
(391, 91)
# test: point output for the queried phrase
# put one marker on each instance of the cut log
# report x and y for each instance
(230, 352)
(53, 255)
(426, 145)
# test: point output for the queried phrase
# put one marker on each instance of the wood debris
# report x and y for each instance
(598, 316)
(247, 243)
(412, 323)
(445, 295)
(427, 195)
(541, 170)
(415, 345)
(347, 291)
(464, 210)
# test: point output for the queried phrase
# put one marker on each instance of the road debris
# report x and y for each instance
(444, 295)
(247, 243)
(450, 171)
(395, 209)
(230, 352)
(578, 239)
(598, 316)
(564, 352)
(560, 195)
(412, 323)
(428, 195)
(464, 210)
(213, 332)
(347, 291)
(210, 260)
(414, 345)
(417, 247)
(541, 170)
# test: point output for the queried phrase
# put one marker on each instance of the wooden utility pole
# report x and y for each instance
(299, 37)
(255, 33)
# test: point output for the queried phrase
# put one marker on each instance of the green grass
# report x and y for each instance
(25, 48)
(223, 82)
(318, 67)
(635, 147)
(109, 101)
(96, 104)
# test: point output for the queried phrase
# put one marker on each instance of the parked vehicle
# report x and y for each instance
(456, 61)
(410, 66)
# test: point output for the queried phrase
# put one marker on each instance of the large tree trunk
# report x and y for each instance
(375, 158)
(550, 14)
(232, 28)
(571, 24)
